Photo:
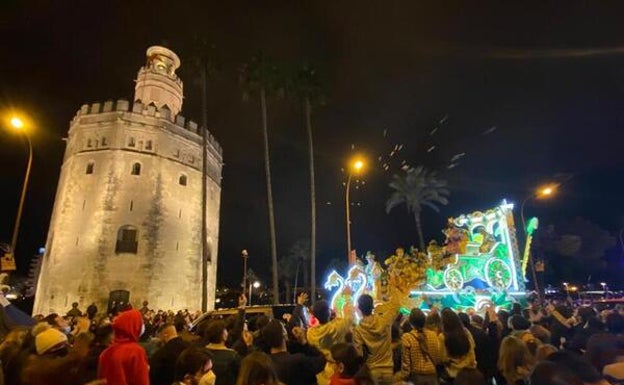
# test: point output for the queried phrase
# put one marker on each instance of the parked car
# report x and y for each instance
(251, 312)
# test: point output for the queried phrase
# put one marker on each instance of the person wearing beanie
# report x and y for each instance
(124, 362)
(55, 361)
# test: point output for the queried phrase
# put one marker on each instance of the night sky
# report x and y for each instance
(530, 92)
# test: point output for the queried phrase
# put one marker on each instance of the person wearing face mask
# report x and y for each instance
(55, 362)
(193, 364)
(125, 361)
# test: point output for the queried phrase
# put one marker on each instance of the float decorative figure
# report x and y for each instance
(475, 267)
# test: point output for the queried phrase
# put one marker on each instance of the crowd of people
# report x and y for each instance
(369, 344)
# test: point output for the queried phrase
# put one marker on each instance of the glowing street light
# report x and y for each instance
(356, 166)
(253, 285)
(19, 124)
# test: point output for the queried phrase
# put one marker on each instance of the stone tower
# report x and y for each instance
(127, 218)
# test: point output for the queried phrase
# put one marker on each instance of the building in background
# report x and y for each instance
(127, 219)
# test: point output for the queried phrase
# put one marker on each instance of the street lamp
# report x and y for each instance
(19, 124)
(356, 165)
(255, 285)
(541, 193)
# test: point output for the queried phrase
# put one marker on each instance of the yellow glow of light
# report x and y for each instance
(17, 122)
(357, 164)
(547, 191)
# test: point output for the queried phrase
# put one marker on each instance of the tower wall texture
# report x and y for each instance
(99, 195)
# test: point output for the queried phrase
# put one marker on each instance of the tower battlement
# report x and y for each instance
(123, 106)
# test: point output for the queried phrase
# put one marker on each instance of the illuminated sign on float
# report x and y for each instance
(485, 273)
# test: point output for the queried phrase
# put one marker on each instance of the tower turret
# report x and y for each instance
(157, 81)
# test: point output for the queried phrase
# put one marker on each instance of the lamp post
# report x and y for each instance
(604, 289)
(18, 124)
(355, 166)
(254, 285)
(541, 193)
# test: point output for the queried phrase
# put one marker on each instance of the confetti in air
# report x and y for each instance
(489, 130)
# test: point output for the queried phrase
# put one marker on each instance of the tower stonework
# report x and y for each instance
(128, 207)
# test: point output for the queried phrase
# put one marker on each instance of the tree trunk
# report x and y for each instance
(308, 117)
(421, 238)
(267, 169)
(288, 290)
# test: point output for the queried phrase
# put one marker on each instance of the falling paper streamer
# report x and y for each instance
(489, 130)
(457, 156)
(452, 165)
(433, 131)
(444, 119)
(431, 148)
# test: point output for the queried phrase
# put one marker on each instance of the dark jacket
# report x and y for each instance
(162, 363)
(299, 368)
(485, 351)
(225, 365)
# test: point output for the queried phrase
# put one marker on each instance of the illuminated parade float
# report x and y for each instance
(478, 265)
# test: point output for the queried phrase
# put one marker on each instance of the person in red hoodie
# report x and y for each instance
(124, 362)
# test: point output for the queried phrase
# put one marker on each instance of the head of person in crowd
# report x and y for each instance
(366, 305)
(216, 332)
(465, 319)
(322, 311)
(544, 351)
(584, 314)
(166, 332)
(103, 335)
(514, 359)
(257, 369)
(417, 319)
(549, 373)
(578, 367)
(260, 322)
(602, 350)
(346, 360)
(434, 321)
(615, 323)
(52, 343)
(275, 335)
(468, 376)
(58, 322)
(192, 364)
(518, 323)
(503, 317)
(455, 338)
(477, 321)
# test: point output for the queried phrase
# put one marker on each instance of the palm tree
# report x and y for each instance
(306, 88)
(260, 76)
(418, 187)
(203, 62)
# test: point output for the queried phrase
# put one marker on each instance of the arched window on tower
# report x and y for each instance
(182, 180)
(126, 240)
(90, 167)
(136, 169)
